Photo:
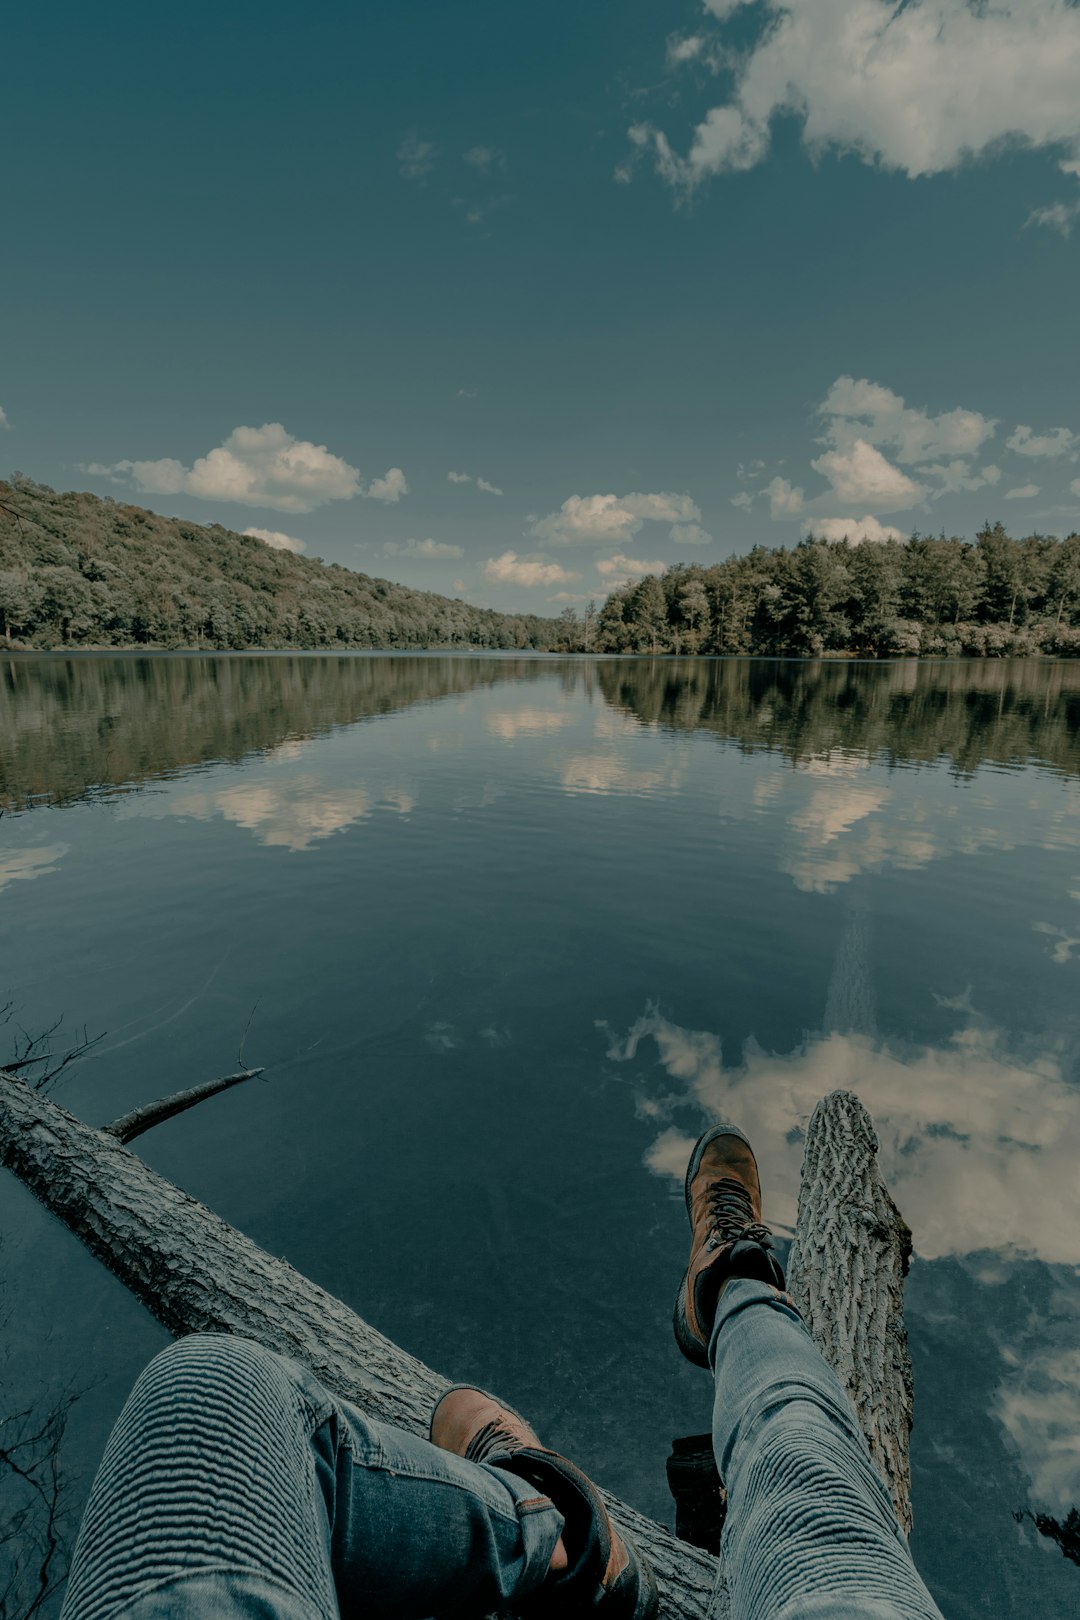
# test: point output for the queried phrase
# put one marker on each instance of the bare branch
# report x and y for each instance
(128, 1126)
(247, 1026)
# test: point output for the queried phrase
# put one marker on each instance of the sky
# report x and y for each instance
(518, 302)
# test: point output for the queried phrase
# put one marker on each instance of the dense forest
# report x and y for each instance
(76, 570)
(937, 598)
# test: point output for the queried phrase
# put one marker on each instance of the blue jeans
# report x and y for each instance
(234, 1487)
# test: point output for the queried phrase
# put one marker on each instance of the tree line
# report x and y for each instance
(923, 597)
(79, 570)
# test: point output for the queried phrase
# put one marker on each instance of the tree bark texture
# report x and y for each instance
(197, 1274)
(846, 1274)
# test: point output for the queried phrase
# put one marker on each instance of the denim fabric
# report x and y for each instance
(234, 1485)
(810, 1531)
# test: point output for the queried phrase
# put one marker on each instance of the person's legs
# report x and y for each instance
(234, 1485)
(810, 1530)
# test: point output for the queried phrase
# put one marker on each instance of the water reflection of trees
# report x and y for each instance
(69, 726)
(910, 713)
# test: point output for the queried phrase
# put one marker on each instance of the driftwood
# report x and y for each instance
(196, 1273)
(846, 1274)
(128, 1126)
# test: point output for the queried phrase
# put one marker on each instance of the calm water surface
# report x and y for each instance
(514, 930)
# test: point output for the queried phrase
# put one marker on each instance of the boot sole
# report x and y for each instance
(689, 1343)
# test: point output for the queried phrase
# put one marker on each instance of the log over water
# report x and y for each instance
(197, 1274)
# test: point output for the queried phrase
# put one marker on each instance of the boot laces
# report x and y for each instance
(731, 1215)
(494, 1438)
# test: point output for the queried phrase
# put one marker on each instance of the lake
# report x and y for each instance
(507, 933)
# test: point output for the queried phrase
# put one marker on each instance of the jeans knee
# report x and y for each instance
(204, 1372)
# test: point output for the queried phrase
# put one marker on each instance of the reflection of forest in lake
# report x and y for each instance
(969, 714)
(71, 725)
(68, 725)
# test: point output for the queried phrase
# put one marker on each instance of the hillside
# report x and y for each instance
(77, 570)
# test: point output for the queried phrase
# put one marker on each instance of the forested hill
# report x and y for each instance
(76, 570)
(923, 597)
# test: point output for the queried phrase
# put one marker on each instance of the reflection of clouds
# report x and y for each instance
(294, 814)
(979, 1144)
(838, 831)
(1063, 949)
(607, 773)
(290, 749)
(1039, 1405)
(1064, 828)
(18, 865)
(612, 724)
(511, 723)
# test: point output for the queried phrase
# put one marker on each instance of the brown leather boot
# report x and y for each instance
(606, 1576)
(723, 1201)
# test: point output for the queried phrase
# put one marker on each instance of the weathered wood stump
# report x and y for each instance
(197, 1274)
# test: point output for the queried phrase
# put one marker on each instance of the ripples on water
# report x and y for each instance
(515, 929)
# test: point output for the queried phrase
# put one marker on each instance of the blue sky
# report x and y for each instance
(670, 279)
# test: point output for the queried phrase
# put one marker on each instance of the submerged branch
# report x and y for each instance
(128, 1126)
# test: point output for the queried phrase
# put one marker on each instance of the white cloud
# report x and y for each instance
(276, 540)
(785, 500)
(690, 534)
(954, 476)
(390, 488)
(1074, 487)
(1058, 441)
(743, 499)
(21, 865)
(510, 569)
(4, 423)
(855, 530)
(611, 520)
(861, 476)
(856, 408)
(481, 483)
(621, 570)
(1023, 492)
(458, 587)
(1059, 216)
(415, 157)
(263, 466)
(421, 548)
(921, 88)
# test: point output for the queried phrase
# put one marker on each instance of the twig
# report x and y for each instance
(247, 1026)
(128, 1126)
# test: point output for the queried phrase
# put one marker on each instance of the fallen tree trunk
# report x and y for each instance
(197, 1274)
(846, 1274)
